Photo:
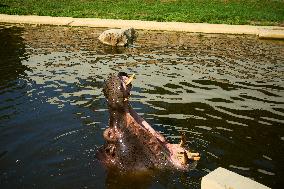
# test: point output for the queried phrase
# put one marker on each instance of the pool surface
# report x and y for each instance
(225, 92)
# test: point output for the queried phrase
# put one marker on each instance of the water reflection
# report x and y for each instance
(116, 180)
(225, 92)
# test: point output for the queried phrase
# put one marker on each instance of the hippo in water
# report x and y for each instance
(130, 142)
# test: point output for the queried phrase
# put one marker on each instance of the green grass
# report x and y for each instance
(255, 12)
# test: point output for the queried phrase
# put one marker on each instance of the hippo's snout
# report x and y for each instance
(117, 90)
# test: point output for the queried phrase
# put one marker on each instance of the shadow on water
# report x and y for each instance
(151, 179)
(225, 92)
(113, 50)
(115, 179)
(12, 52)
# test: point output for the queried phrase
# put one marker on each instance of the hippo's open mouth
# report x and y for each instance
(131, 143)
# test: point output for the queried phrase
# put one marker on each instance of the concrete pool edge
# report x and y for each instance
(222, 178)
(269, 32)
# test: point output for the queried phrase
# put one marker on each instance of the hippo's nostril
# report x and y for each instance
(112, 154)
(110, 135)
(107, 150)
(110, 150)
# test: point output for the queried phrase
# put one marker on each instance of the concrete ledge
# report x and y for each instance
(222, 178)
(262, 31)
(271, 34)
(35, 19)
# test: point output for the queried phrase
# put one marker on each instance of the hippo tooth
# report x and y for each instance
(185, 159)
(182, 140)
(130, 79)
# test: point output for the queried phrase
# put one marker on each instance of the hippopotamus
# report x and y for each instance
(130, 142)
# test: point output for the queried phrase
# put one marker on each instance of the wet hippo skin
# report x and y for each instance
(130, 142)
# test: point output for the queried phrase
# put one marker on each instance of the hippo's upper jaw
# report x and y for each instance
(131, 143)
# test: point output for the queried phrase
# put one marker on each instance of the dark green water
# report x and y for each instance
(225, 92)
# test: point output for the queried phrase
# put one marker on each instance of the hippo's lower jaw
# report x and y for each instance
(131, 143)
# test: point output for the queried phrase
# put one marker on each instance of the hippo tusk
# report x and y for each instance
(185, 159)
(130, 79)
(182, 140)
(193, 156)
(196, 158)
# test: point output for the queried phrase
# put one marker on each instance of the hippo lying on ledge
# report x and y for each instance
(131, 143)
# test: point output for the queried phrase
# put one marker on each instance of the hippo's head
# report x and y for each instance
(117, 90)
(130, 142)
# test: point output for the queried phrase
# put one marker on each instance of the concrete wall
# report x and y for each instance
(222, 178)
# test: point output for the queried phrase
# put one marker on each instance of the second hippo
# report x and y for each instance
(118, 37)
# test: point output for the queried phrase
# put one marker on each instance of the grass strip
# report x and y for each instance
(253, 12)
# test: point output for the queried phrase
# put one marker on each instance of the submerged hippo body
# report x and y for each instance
(131, 143)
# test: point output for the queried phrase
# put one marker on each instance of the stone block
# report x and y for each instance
(222, 178)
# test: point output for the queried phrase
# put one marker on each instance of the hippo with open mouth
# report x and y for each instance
(130, 142)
